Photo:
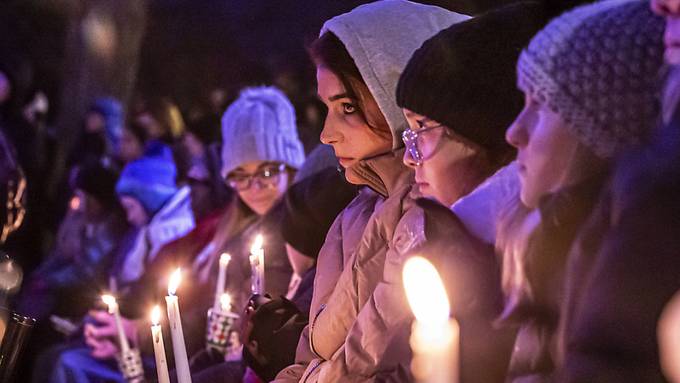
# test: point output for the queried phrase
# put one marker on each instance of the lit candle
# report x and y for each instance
(159, 346)
(257, 265)
(110, 301)
(435, 339)
(175, 322)
(221, 279)
(225, 303)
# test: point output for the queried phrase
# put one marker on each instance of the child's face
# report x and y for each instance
(259, 184)
(545, 150)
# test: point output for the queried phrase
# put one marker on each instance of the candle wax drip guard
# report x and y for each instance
(130, 365)
(219, 324)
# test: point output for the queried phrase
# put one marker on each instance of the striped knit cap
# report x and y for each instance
(597, 66)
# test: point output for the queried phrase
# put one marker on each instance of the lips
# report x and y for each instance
(345, 161)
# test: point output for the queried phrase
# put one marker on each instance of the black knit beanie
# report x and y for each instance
(98, 181)
(464, 76)
(310, 207)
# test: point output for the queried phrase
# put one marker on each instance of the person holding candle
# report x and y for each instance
(358, 63)
(589, 97)
(260, 153)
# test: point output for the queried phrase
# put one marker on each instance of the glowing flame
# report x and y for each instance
(224, 259)
(156, 315)
(175, 279)
(225, 302)
(75, 203)
(257, 244)
(425, 291)
(110, 301)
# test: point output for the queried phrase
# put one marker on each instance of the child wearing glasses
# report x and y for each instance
(458, 99)
(260, 153)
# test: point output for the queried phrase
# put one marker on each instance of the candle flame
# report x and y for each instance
(224, 259)
(257, 244)
(110, 301)
(225, 302)
(156, 315)
(173, 284)
(425, 291)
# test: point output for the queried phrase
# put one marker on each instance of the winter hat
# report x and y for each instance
(597, 66)
(150, 179)
(464, 77)
(377, 38)
(310, 207)
(112, 111)
(260, 126)
(98, 181)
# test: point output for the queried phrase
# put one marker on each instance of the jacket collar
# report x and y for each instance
(384, 173)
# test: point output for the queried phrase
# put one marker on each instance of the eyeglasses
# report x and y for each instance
(266, 177)
(416, 145)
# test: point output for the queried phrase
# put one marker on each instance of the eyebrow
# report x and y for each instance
(339, 96)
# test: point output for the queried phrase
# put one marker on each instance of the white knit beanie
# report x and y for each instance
(597, 66)
(260, 126)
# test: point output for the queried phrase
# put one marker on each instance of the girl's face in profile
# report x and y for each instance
(345, 128)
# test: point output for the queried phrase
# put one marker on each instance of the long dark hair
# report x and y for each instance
(329, 51)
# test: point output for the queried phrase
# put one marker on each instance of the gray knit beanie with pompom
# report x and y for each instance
(597, 66)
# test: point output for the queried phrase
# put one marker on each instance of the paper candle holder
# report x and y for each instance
(219, 325)
(130, 365)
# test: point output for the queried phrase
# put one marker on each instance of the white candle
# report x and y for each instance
(110, 301)
(257, 265)
(435, 339)
(175, 322)
(159, 346)
(221, 279)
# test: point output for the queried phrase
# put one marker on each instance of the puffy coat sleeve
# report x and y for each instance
(377, 345)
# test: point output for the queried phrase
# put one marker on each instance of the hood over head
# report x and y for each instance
(382, 49)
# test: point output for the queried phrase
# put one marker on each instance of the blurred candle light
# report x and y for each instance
(175, 322)
(110, 301)
(435, 339)
(257, 265)
(225, 303)
(221, 279)
(159, 346)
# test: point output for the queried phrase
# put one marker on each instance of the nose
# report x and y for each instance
(330, 134)
(409, 160)
(517, 135)
(667, 8)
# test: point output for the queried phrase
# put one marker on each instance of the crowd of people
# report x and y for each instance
(530, 153)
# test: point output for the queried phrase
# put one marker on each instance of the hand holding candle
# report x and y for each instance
(435, 339)
(159, 346)
(110, 301)
(175, 322)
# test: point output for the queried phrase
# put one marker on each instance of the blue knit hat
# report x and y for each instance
(150, 179)
(597, 66)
